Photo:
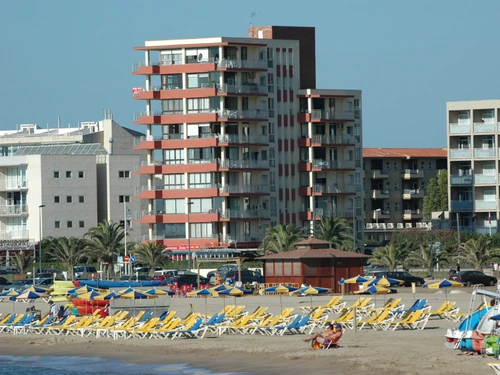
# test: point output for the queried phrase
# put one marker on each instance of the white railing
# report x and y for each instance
(484, 152)
(413, 191)
(14, 235)
(335, 188)
(239, 164)
(411, 212)
(331, 114)
(459, 128)
(242, 89)
(242, 139)
(242, 64)
(332, 164)
(243, 114)
(485, 205)
(18, 209)
(485, 178)
(244, 189)
(330, 139)
(460, 153)
(461, 179)
(7, 184)
(244, 214)
(484, 127)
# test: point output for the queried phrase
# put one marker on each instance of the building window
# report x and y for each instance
(56, 174)
(57, 224)
(69, 199)
(81, 174)
(57, 199)
(175, 156)
(69, 224)
(124, 198)
(81, 199)
(396, 186)
(430, 165)
(173, 181)
(396, 206)
(422, 165)
(68, 174)
(124, 174)
(387, 166)
(81, 224)
(174, 206)
(395, 165)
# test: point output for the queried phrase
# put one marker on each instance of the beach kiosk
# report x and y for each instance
(314, 262)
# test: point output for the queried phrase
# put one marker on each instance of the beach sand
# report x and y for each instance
(362, 352)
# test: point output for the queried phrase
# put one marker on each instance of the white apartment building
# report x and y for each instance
(473, 184)
(63, 181)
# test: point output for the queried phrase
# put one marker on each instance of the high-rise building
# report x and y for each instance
(473, 136)
(239, 139)
(62, 181)
(395, 186)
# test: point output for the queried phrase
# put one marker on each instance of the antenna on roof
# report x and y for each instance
(252, 16)
(58, 122)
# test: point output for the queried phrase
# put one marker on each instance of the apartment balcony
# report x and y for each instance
(485, 179)
(409, 174)
(15, 235)
(320, 115)
(460, 153)
(243, 140)
(159, 217)
(176, 117)
(483, 127)
(14, 210)
(235, 190)
(166, 92)
(380, 214)
(485, 205)
(465, 206)
(227, 164)
(460, 180)
(246, 90)
(192, 166)
(318, 140)
(243, 115)
(319, 164)
(380, 194)
(13, 184)
(177, 191)
(245, 215)
(308, 215)
(169, 67)
(412, 214)
(252, 65)
(484, 153)
(379, 174)
(460, 128)
(413, 194)
(320, 190)
(175, 141)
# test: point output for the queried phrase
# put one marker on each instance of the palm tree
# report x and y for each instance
(335, 230)
(23, 261)
(151, 254)
(425, 257)
(282, 237)
(388, 256)
(478, 252)
(67, 251)
(104, 243)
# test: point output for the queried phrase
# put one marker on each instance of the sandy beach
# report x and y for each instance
(362, 352)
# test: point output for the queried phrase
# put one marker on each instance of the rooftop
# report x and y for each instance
(64, 149)
(304, 253)
(405, 153)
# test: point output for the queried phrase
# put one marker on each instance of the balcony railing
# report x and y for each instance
(14, 235)
(484, 127)
(330, 139)
(242, 89)
(18, 209)
(243, 164)
(485, 205)
(244, 214)
(461, 205)
(484, 152)
(244, 189)
(243, 139)
(204, 60)
(9, 184)
(380, 194)
(331, 114)
(335, 189)
(459, 128)
(242, 64)
(460, 153)
(332, 164)
(140, 214)
(380, 214)
(485, 178)
(413, 193)
(461, 179)
(379, 173)
(243, 114)
(412, 173)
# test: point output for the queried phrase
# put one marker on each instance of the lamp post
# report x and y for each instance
(40, 209)
(189, 233)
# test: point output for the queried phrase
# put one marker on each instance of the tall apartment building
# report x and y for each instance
(395, 181)
(239, 139)
(473, 136)
(62, 181)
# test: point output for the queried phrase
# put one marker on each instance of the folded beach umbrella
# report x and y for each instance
(444, 284)
(384, 282)
(280, 289)
(355, 280)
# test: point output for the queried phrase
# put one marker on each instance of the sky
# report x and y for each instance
(74, 58)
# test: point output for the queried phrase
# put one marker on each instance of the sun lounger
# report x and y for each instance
(495, 366)
(196, 331)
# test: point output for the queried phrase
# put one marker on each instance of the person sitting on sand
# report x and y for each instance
(331, 335)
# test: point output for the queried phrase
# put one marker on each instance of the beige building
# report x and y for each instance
(395, 180)
(473, 136)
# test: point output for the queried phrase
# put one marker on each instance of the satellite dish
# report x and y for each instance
(200, 57)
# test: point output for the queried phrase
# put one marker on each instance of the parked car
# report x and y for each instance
(187, 280)
(18, 284)
(84, 272)
(222, 270)
(4, 283)
(403, 276)
(166, 274)
(247, 276)
(7, 270)
(472, 277)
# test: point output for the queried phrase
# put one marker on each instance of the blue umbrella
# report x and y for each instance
(202, 292)
(384, 280)
(235, 291)
(280, 289)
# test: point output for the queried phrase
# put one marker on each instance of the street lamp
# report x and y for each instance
(40, 209)
(189, 234)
